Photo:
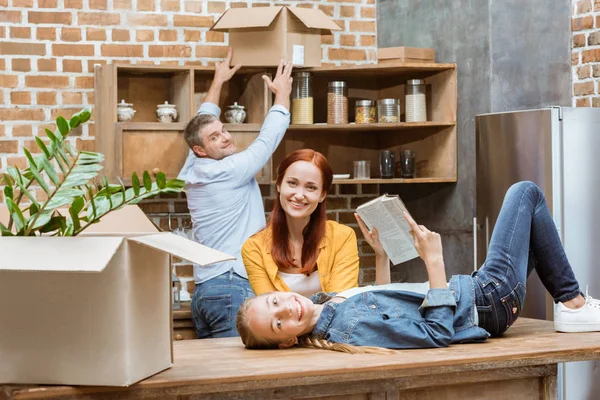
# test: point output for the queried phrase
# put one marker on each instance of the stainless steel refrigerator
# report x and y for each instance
(559, 149)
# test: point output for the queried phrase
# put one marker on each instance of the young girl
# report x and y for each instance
(300, 250)
(469, 308)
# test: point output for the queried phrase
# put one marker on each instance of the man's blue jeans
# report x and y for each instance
(216, 302)
(524, 238)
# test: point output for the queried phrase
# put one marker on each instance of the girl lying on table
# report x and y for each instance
(468, 309)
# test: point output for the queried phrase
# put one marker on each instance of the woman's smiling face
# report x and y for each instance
(301, 189)
(281, 317)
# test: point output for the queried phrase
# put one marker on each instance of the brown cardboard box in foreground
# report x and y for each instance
(263, 36)
(94, 309)
(405, 55)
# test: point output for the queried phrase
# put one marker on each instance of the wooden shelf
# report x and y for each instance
(371, 127)
(392, 181)
(151, 126)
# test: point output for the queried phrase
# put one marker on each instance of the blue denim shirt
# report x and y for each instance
(402, 319)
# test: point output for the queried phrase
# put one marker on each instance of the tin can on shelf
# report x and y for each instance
(364, 112)
(302, 98)
(337, 103)
(415, 101)
(388, 110)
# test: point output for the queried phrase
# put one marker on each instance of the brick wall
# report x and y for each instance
(586, 53)
(48, 50)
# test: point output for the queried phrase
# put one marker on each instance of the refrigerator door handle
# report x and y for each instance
(474, 243)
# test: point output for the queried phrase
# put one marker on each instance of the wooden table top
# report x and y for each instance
(213, 365)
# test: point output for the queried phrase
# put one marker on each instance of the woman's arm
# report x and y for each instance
(382, 261)
(254, 262)
(344, 270)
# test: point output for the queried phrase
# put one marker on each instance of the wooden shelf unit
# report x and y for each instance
(145, 144)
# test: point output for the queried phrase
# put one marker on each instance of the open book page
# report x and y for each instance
(385, 214)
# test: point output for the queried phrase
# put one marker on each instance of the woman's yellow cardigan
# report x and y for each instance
(337, 262)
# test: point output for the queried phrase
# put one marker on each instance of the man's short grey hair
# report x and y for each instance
(193, 128)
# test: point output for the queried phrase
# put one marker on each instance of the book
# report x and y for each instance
(385, 214)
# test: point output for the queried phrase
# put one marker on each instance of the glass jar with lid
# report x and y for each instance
(415, 101)
(337, 103)
(364, 112)
(302, 98)
(388, 110)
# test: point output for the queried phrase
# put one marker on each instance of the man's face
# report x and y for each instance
(217, 142)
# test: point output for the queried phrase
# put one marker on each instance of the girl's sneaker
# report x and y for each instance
(584, 319)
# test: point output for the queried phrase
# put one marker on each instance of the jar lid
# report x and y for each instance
(415, 82)
(301, 74)
(123, 104)
(388, 101)
(166, 105)
(236, 106)
(365, 103)
(337, 84)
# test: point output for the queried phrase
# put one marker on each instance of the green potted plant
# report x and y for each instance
(70, 181)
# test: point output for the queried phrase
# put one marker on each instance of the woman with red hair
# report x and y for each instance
(300, 250)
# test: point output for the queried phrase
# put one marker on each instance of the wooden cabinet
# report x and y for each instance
(183, 325)
(144, 144)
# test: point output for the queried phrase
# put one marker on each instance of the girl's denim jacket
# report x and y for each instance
(402, 320)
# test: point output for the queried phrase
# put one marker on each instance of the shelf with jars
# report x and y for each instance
(335, 110)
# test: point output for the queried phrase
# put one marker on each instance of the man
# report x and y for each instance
(224, 199)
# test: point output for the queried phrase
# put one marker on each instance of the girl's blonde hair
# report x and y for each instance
(253, 342)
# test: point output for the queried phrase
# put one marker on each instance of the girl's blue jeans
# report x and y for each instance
(524, 238)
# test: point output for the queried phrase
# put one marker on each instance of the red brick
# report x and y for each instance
(170, 5)
(98, 18)
(367, 12)
(72, 66)
(46, 64)
(90, 64)
(9, 146)
(584, 6)
(590, 56)
(215, 37)
(95, 34)
(20, 98)
(43, 33)
(3, 3)
(146, 20)
(593, 38)
(574, 58)
(46, 98)
(120, 35)
(347, 40)
(64, 112)
(21, 49)
(327, 39)
(22, 3)
(84, 82)
(2, 130)
(194, 36)
(122, 4)
(169, 51)
(211, 51)
(582, 102)
(347, 54)
(9, 81)
(167, 35)
(215, 7)
(78, 4)
(70, 35)
(10, 16)
(193, 6)
(582, 89)
(595, 102)
(22, 131)
(347, 11)
(121, 50)
(59, 18)
(85, 144)
(579, 24)
(20, 32)
(192, 20)
(73, 50)
(362, 26)
(144, 36)
(596, 5)
(2, 31)
(146, 5)
(21, 64)
(47, 81)
(2, 67)
(17, 162)
(72, 98)
(47, 3)
(90, 97)
(368, 40)
(98, 4)
(584, 72)
(579, 40)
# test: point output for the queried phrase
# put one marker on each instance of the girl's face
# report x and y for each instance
(301, 189)
(281, 317)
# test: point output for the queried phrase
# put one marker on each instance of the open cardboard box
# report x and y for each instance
(263, 36)
(94, 309)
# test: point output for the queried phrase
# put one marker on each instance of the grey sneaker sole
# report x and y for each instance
(571, 327)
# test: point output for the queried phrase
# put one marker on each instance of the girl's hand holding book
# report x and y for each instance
(372, 237)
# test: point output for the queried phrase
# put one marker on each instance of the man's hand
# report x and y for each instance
(282, 84)
(223, 72)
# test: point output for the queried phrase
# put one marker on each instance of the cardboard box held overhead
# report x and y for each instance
(263, 36)
(93, 309)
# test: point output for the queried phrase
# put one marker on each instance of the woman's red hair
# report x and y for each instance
(315, 229)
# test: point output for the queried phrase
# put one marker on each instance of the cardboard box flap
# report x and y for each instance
(58, 254)
(183, 248)
(314, 18)
(129, 219)
(238, 18)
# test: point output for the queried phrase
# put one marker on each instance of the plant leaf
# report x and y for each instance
(49, 169)
(56, 223)
(147, 181)
(35, 172)
(175, 184)
(74, 210)
(135, 182)
(42, 146)
(16, 214)
(8, 192)
(74, 121)
(161, 180)
(63, 126)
